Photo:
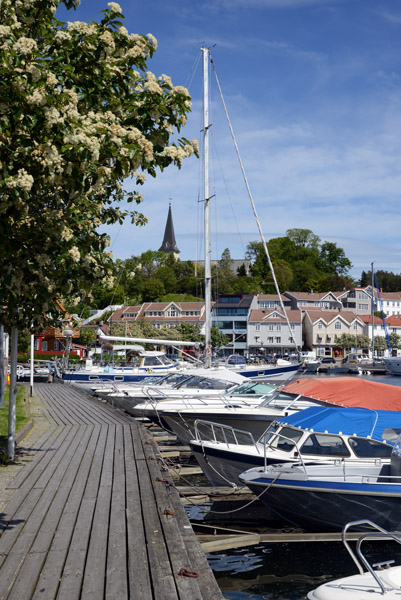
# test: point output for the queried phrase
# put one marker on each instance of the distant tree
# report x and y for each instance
(304, 237)
(333, 259)
(218, 339)
(380, 342)
(395, 340)
(363, 341)
(347, 341)
(87, 336)
(153, 290)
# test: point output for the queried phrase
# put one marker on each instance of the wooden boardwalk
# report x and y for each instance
(95, 515)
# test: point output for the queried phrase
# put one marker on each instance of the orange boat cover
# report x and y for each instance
(349, 391)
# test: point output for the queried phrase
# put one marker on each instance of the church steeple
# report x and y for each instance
(169, 244)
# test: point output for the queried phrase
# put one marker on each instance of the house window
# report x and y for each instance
(320, 325)
(36, 344)
(361, 296)
(337, 325)
(44, 345)
(256, 338)
(278, 340)
(363, 306)
(355, 325)
(56, 345)
(270, 340)
(257, 327)
(271, 327)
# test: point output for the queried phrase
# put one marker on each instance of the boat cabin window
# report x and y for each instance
(365, 448)
(286, 439)
(325, 445)
(165, 360)
(151, 361)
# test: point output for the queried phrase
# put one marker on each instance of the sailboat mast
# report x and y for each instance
(373, 314)
(208, 278)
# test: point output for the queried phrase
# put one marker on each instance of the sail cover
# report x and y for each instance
(349, 391)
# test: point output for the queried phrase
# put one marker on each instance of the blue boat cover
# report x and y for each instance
(362, 422)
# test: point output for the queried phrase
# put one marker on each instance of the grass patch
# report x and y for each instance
(21, 419)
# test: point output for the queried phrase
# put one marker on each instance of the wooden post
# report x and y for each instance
(13, 394)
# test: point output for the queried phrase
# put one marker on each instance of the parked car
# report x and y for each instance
(328, 360)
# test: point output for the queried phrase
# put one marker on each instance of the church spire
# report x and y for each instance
(169, 244)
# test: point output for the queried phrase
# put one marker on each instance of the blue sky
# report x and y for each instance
(313, 90)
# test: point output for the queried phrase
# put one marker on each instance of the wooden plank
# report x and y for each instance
(187, 587)
(138, 566)
(73, 571)
(163, 580)
(20, 542)
(69, 486)
(51, 572)
(117, 577)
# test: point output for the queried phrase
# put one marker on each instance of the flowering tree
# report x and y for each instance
(79, 114)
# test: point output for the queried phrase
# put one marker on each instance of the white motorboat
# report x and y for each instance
(393, 364)
(315, 433)
(237, 413)
(326, 495)
(380, 580)
(192, 387)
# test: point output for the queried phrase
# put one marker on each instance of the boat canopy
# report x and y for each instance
(349, 391)
(362, 422)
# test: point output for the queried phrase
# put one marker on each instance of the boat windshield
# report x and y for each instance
(253, 388)
(281, 438)
(280, 397)
(206, 384)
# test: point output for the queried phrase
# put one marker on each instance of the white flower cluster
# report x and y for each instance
(152, 39)
(177, 153)
(108, 40)
(81, 27)
(22, 180)
(5, 30)
(114, 7)
(51, 79)
(74, 253)
(62, 36)
(37, 98)
(52, 117)
(25, 46)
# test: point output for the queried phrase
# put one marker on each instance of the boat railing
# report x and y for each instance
(383, 477)
(379, 534)
(220, 433)
(154, 394)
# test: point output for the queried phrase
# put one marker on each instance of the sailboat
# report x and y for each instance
(284, 369)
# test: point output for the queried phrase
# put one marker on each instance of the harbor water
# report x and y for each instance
(287, 571)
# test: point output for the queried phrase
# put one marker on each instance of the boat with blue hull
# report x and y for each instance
(326, 496)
